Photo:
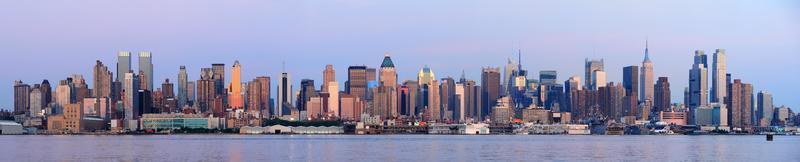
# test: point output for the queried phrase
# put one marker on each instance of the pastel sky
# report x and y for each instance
(51, 39)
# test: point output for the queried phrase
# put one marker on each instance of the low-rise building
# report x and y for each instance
(536, 115)
(72, 121)
(10, 128)
(475, 129)
(673, 117)
(178, 121)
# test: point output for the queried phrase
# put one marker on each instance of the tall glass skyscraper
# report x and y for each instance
(719, 70)
(123, 64)
(698, 84)
(146, 66)
(183, 87)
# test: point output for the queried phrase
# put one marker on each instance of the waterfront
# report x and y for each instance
(397, 148)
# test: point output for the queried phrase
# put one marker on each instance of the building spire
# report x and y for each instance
(519, 59)
(646, 51)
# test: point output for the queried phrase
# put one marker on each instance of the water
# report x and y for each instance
(397, 148)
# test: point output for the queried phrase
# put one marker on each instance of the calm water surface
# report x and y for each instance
(397, 148)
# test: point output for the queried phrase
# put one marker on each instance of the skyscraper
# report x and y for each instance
(630, 82)
(765, 108)
(490, 82)
(285, 94)
(102, 80)
(218, 75)
(265, 95)
(123, 64)
(647, 77)
(447, 90)
(548, 77)
(328, 75)
(36, 102)
(698, 84)
(662, 100)
(571, 86)
(21, 97)
(47, 91)
(410, 97)
(146, 66)
(459, 103)
(169, 104)
(434, 104)
(592, 66)
(427, 91)
(719, 70)
(253, 97)
(131, 92)
(598, 79)
(386, 95)
(206, 91)
(235, 92)
(508, 77)
(183, 87)
(356, 84)
(307, 91)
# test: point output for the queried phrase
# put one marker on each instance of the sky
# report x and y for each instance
(52, 39)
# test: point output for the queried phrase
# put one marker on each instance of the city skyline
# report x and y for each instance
(545, 46)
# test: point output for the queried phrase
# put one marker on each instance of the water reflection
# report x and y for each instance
(396, 148)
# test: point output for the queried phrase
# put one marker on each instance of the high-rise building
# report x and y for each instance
(146, 66)
(356, 84)
(169, 104)
(425, 78)
(307, 91)
(599, 79)
(766, 109)
(592, 66)
(123, 64)
(254, 97)
(502, 112)
(662, 98)
(572, 85)
(36, 104)
(447, 90)
(409, 99)
(698, 84)
(206, 91)
(508, 77)
(630, 82)
(131, 92)
(191, 96)
(218, 75)
(434, 101)
(352, 107)
(741, 104)
(285, 95)
(490, 82)
(647, 77)
(386, 95)
(328, 75)
(610, 99)
(548, 77)
(333, 98)
(235, 92)
(102, 80)
(264, 95)
(719, 71)
(21, 97)
(47, 92)
(183, 87)
(63, 94)
(459, 103)
(747, 106)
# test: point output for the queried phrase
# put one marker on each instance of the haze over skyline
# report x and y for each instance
(53, 39)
